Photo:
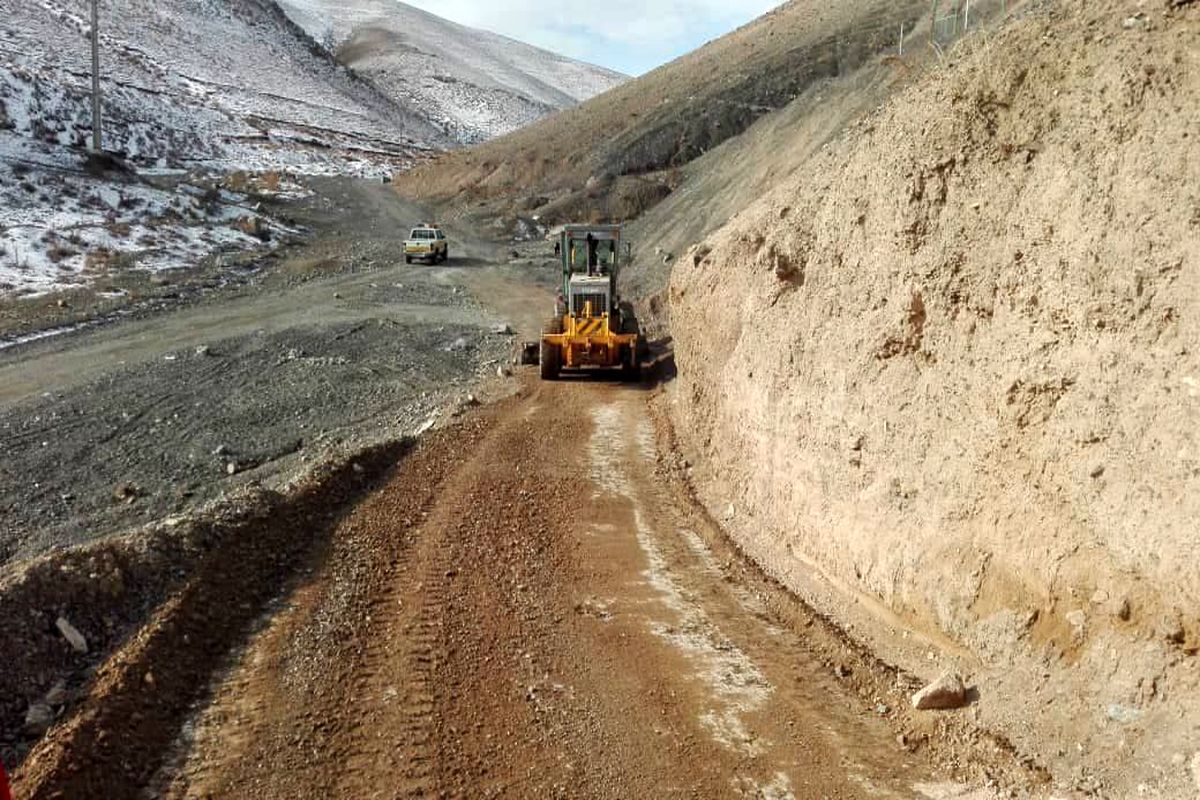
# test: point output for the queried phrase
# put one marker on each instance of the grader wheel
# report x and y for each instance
(550, 356)
(631, 365)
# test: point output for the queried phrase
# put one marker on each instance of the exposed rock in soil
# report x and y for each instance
(946, 692)
(72, 635)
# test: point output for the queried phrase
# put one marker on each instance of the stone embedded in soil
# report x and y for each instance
(1123, 714)
(57, 694)
(72, 635)
(1170, 627)
(1124, 610)
(1077, 619)
(125, 492)
(946, 692)
(38, 718)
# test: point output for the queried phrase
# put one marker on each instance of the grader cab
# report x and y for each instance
(591, 327)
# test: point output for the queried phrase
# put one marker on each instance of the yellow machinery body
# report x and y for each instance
(589, 341)
(591, 326)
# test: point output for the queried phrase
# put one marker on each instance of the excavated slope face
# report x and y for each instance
(954, 365)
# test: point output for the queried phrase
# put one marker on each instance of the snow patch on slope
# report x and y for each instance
(471, 84)
(203, 87)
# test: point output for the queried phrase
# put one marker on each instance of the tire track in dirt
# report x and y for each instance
(531, 607)
(306, 691)
(121, 734)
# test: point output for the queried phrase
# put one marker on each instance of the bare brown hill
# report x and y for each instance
(944, 382)
(617, 155)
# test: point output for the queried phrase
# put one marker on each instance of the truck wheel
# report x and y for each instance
(408, 259)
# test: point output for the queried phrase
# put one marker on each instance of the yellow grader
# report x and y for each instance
(591, 326)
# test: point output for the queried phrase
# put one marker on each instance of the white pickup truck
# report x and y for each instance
(427, 242)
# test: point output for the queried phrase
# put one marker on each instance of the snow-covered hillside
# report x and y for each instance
(206, 79)
(202, 88)
(231, 93)
(471, 84)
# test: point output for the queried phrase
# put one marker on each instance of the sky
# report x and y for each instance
(630, 36)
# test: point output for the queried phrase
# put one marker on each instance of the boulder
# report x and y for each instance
(946, 692)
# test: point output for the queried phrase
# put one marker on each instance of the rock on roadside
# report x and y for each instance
(72, 635)
(946, 692)
(39, 718)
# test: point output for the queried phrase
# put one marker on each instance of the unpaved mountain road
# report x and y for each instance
(528, 605)
(527, 602)
(335, 338)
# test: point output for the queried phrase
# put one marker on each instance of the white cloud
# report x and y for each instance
(624, 34)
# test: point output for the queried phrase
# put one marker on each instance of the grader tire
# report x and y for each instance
(630, 324)
(550, 356)
(631, 366)
(549, 361)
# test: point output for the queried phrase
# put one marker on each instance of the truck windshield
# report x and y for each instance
(420, 233)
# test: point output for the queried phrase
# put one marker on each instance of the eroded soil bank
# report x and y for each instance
(944, 384)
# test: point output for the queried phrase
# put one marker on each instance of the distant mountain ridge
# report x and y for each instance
(471, 84)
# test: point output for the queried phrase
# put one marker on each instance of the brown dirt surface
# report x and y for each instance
(530, 605)
(945, 378)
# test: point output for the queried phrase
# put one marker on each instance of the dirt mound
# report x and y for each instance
(665, 119)
(951, 367)
(174, 578)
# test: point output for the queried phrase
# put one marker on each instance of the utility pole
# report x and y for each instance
(96, 144)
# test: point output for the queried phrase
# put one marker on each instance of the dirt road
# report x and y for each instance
(527, 602)
(529, 605)
(163, 409)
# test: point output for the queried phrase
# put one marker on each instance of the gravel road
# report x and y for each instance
(166, 408)
(528, 605)
(526, 601)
